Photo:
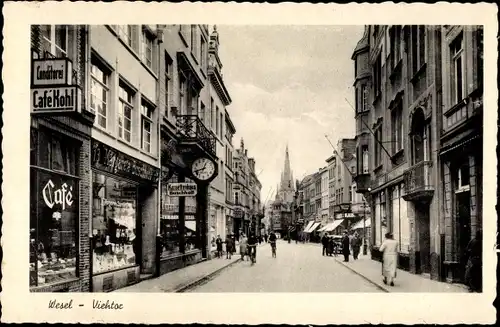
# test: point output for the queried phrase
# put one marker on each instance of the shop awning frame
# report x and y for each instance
(309, 224)
(312, 228)
(359, 224)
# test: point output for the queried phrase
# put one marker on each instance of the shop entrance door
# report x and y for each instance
(422, 214)
(463, 222)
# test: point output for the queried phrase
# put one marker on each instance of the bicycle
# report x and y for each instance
(273, 249)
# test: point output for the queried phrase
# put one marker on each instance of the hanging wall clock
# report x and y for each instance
(203, 169)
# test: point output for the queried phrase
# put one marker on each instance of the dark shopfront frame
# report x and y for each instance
(78, 134)
(183, 258)
(112, 163)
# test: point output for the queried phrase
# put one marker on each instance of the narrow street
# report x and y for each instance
(297, 268)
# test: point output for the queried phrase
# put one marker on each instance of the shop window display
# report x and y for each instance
(53, 209)
(169, 221)
(114, 222)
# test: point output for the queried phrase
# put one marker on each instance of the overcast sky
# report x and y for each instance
(288, 85)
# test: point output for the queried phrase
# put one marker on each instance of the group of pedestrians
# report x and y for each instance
(329, 245)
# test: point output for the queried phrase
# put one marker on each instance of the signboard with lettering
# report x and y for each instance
(345, 215)
(51, 72)
(181, 189)
(55, 99)
(113, 161)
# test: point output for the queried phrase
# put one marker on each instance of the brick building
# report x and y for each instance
(60, 177)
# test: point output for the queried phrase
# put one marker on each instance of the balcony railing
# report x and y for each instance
(418, 181)
(192, 129)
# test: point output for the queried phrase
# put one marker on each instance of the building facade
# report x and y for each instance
(325, 196)
(461, 140)
(215, 116)
(60, 147)
(345, 166)
(414, 86)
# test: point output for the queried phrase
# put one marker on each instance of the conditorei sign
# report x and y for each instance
(51, 72)
(55, 99)
(182, 189)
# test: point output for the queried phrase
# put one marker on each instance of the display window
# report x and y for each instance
(169, 221)
(54, 195)
(114, 223)
(190, 225)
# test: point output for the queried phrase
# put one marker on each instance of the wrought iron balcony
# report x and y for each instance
(418, 185)
(192, 130)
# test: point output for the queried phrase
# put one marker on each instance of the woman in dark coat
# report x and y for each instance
(345, 247)
(330, 246)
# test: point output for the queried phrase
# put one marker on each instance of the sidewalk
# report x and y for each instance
(181, 279)
(405, 282)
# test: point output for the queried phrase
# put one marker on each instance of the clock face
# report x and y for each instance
(203, 168)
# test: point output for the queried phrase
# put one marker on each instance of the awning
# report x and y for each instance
(458, 145)
(312, 228)
(309, 224)
(331, 226)
(359, 224)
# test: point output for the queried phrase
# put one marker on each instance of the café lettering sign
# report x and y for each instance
(55, 99)
(51, 72)
(53, 195)
(115, 162)
(181, 189)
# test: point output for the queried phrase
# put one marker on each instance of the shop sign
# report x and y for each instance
(55, 99)
(57, 195)
(110, 160)
(181, 189)
(53, 71)
(345, 215)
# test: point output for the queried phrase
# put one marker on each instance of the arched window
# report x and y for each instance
(418, 137)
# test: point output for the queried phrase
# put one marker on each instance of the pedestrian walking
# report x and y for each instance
(229, 246)
(233, 238)
(345, 246)
(473, 269)
(218, 243)
(389, 249)
(356, 246)
(243, 246)
(265, 237)
(324, 241)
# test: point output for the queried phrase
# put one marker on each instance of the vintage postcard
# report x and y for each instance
(249, 163)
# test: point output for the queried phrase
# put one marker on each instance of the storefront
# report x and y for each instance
(180, 240)
(123, 202)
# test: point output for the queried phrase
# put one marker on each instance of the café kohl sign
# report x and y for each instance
(51, 86)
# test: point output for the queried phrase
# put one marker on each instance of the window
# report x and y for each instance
(212, 113)
(364, 98)
(53, 227)
(395, 45)
(236, 198)
(202, 113)
(126, 34)
(125, 113)
(463, 179)
(350, 194)
(147, 126)
(457, 73)
(147, 49)
(377, 76)
(169, 221)
(55, 40)
(378, 147)
(397, 129)
(55, 153)
(114, 223)
(221, 122)
(203, 51)
(168, 85)
(480, 54)
(182, 97)
(417, 47)
(365, 160)
(217, 126)
(194, 41)
(99, 92)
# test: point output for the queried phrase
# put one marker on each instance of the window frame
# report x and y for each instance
(455, 57)
(147, 39)
(95, 62)
(397, 130)
(147, 117)
(125, 104)
(52, 41)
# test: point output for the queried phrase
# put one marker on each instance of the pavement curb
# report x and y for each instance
(201, 280)
(378, 285)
